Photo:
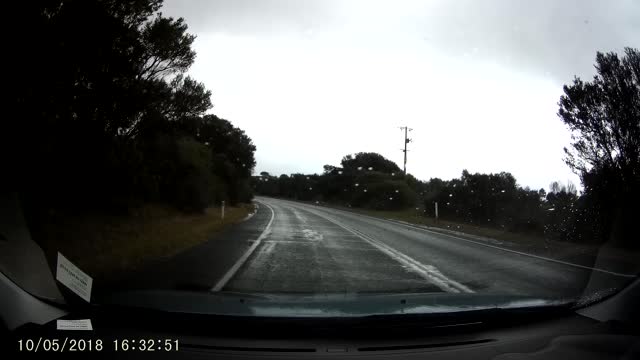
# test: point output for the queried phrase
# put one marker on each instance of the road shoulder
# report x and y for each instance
(197, 268)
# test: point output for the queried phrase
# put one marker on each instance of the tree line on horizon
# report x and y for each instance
(370, 181)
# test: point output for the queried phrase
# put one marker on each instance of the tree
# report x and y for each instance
(188, 98)
(604, 117)
(166, 48)
(76, 89)
(233, 155)
(108, 115)
(328, 169)
(364, 161)
(195, 187)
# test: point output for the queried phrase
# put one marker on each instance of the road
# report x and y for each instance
(305, 248)
(290, 247)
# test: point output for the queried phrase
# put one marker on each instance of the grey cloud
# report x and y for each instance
(547, 37)
(557, 38)
(254, 17)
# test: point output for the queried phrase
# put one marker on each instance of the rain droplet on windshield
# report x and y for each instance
(393, 174)
(390, 198)
(357, 184)
(370, 168)
(397, 191)
(339, 172)
(365, 190)
(450, 195)
(502, 191)
(310, 188)
(359, 167)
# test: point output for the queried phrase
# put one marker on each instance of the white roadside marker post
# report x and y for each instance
(222, 212)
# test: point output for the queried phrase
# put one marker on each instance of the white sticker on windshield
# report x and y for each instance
(74, 278)
(84, 324)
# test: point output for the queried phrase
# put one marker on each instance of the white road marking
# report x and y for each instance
(312, 235)
(299, 216)
(229, 274)
(429, 272)
(491, 246)
(250, 215)
(338, 244)
(268, 248)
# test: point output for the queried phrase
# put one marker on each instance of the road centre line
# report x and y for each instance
(490, 246)
(429, 272)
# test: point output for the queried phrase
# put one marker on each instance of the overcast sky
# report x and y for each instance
(478, 81)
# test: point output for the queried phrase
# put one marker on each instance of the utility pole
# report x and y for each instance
(406, 141)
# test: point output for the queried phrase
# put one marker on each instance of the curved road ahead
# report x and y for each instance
(303, 248)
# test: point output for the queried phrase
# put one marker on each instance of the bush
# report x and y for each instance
(385, 195)
(196, 186)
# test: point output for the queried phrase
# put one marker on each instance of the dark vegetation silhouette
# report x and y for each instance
(604, 117)
(108, 120)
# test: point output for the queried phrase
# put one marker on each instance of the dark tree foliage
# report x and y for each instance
(364, 161)
(493, 200)
(365, 180)
(604, 117)
(166, 48)
(107, 117)
(486, 200)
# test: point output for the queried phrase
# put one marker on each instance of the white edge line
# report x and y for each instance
(491, 246)
(232, 271)
(436, 277)
(250, 215)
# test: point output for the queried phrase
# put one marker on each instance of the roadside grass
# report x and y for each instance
(101, 245)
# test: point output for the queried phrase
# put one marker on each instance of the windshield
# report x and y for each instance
(303, 150)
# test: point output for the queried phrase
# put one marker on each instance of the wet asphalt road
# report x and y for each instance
(289, 247)
(305, 248)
